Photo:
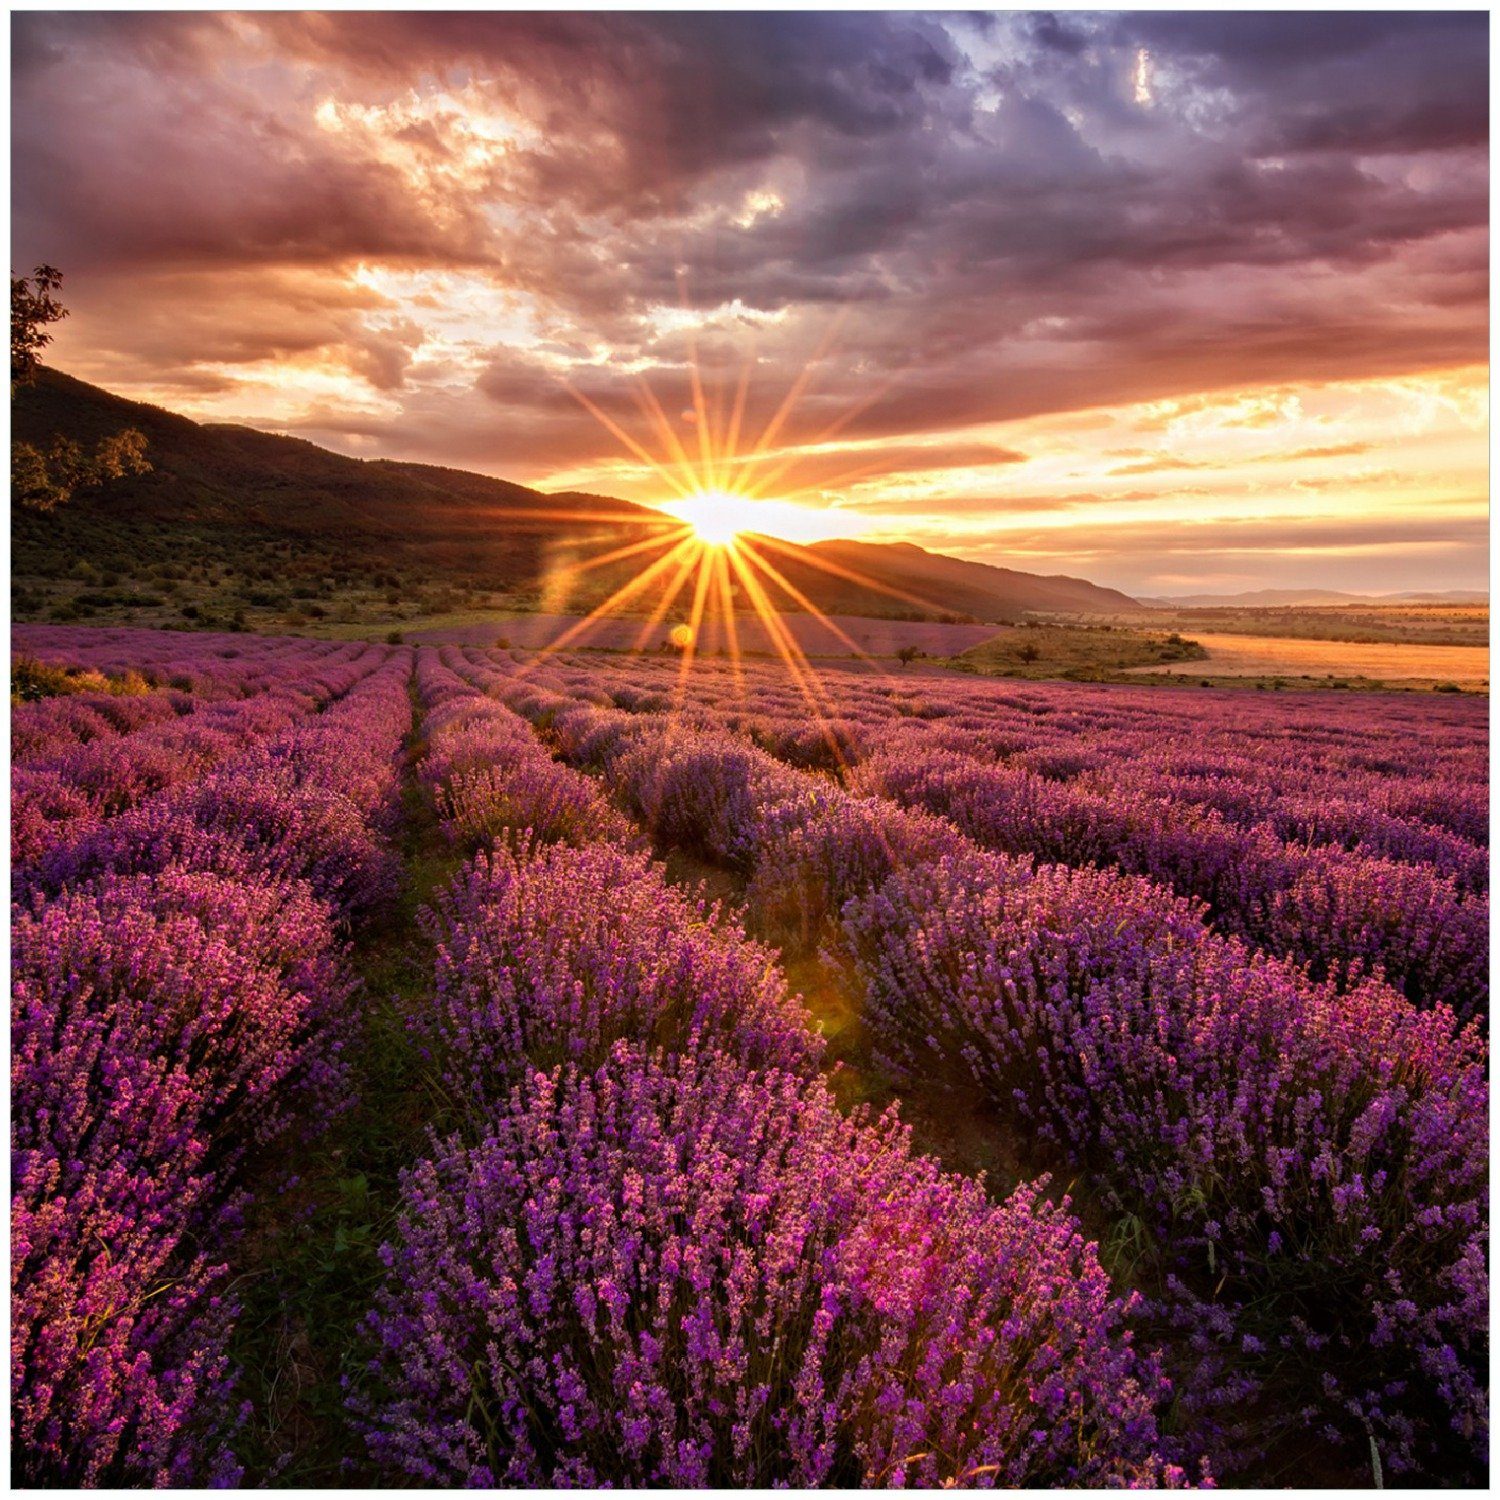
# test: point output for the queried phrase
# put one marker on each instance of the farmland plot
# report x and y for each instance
(1219, 964)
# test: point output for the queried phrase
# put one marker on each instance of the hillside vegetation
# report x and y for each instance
(235, 528)
(1374, 624)
(1078, 653)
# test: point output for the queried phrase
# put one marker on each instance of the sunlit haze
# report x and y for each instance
(716, 517)
(719, 516)
(1174, 302)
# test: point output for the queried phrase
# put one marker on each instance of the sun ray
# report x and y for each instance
(619, 554)
(824, 721)
(737, 418)
(649, 402)
(690, 556)
(788, 649)
(566, 514)
(562, 581)
(619, 432)
(627, 590)
(798, 387)
(782, 581)
(796, 454)
(852, 575)
(827, 705)
(778, 417)
(731, 630)
(695, 625)
(716, 428)
(743, 559)
(832, 481)
(769, 617)
(705, 433)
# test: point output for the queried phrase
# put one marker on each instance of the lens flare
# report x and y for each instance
(716, 529)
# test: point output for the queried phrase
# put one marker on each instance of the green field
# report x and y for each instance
(1076, 653)
(1364, 624)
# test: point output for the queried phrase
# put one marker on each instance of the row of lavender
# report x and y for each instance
(177, 684)
(203, 664)
(60, 791)
(1312, 1161)
(1418, 760)
(1360, 853)
(182, 999)
(652, 1250)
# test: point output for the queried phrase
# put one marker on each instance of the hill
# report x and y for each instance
(979, 589)
(234, 524)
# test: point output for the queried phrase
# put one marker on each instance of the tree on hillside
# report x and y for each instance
(42, 480)
(45, 480)
(33, 309)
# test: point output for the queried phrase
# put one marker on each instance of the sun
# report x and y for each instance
(720, 517)
(716, 516)
(725, 540)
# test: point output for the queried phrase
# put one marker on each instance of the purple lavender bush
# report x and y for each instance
(1348, 914)
(710, 792)
(1316, 1163)
(551, 954)
(1346, 917)
(555, 804)
(677, 1272)
(161, 1028)
(489, 776)
(805, 872)
(247, 824)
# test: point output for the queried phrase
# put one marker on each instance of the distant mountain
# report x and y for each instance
(238, 509)
(1292, 598)
(1442, 596)
(973, 588)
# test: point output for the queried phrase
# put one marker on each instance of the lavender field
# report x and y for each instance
(814, 635)
(447, 1065)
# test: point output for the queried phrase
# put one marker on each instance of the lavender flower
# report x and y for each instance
(675, 1272)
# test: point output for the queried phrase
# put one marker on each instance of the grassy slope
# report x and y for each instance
(236, 522)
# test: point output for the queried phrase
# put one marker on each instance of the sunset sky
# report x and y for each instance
(1175, 302)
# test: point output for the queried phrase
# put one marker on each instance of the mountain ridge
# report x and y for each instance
(260, 507)
(1045, 592)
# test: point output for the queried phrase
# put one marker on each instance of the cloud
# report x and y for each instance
(1167, 463)
(1155, 557)
(986, 219)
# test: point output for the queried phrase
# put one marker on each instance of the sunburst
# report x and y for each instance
(717, 516)
(720, 518)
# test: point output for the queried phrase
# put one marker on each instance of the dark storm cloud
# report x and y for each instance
(1357, 81)
(673, 97)
(1008, 229)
